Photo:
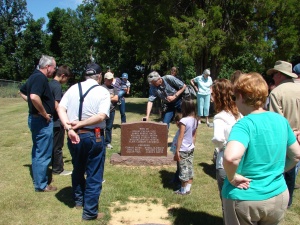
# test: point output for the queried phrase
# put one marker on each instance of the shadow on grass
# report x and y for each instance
(68, 161)
(116, 126)
(166, 179)
(209, 169)
(187, 217)
(65, 196)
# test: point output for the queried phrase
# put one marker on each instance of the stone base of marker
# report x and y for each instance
(117, 159)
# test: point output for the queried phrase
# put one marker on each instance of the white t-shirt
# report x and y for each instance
(191, 125)
(223, 122)
(96, 101)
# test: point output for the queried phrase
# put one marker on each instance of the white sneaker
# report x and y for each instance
(210, 125)
(109, 146)
(66, 173)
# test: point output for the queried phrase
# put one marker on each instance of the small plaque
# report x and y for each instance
(144, 139)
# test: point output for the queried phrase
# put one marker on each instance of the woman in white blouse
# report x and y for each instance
(227, 115)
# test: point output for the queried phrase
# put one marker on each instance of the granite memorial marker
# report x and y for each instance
(143, 144)
(144, 139)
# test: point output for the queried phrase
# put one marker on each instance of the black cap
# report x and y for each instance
(92, 69)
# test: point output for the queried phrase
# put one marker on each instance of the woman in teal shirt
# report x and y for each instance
(202, 85)
(261, 146)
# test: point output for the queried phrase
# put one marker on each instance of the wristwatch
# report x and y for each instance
(68, 129)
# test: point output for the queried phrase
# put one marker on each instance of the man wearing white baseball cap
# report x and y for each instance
(285, 99)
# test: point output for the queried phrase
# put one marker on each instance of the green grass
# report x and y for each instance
(19, 204)
(9, 91)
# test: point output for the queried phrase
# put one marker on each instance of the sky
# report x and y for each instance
(40, 8)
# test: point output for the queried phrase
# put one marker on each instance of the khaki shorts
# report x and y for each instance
(264, 212)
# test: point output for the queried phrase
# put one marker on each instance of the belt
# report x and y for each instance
(87, 130)
(37, 115)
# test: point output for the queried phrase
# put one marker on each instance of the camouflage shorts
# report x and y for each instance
(186, 171)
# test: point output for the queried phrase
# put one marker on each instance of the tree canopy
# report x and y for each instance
(137, 36)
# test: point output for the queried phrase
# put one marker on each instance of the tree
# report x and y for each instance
(13, 19)
(31, 46)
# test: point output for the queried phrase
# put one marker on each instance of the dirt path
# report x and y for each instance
(139, 211)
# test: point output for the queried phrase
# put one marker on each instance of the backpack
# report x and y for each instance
(189, 92)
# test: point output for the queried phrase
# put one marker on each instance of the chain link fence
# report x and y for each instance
(9, 88)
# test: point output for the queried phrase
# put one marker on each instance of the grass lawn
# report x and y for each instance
(19, 204)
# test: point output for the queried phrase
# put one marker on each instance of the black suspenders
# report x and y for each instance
(82, 98)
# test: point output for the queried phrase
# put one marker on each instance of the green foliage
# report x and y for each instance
(13, 19)
(245, 63)
(120, 34)
(31, 47)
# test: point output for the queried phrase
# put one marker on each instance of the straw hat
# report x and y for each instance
(283, 67)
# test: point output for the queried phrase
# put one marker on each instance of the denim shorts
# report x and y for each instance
(186, 171)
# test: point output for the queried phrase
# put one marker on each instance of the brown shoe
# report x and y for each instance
(50, 188)
(99, 216)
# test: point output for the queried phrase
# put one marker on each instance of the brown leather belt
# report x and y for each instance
(87, 130)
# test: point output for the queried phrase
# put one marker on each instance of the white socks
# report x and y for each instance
(188, 187)
(183, 190)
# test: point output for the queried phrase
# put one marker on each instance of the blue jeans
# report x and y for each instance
(203, 103)
(122, 110)
(42, 145)
(109, 125)
(297, 168)
(172, 108)
(87, 157)
(121, 94)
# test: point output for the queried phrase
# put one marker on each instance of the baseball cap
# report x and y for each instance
(297, 69)
(125, 75)
(92, 69)
(108, 76)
